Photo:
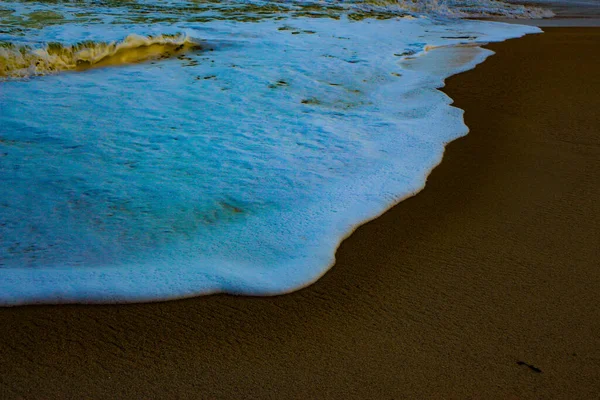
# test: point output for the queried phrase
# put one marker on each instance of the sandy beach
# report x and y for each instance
(484, 285)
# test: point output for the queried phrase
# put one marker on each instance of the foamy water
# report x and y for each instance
(574, 9)
(235, 163)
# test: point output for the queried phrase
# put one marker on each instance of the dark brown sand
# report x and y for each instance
(484, 285)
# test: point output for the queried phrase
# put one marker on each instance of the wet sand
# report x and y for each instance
(484, 285)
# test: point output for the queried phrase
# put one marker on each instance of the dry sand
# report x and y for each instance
(485, 285)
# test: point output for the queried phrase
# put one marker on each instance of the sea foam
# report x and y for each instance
(237, 170)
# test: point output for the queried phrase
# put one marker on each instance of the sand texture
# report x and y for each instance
(484, 285)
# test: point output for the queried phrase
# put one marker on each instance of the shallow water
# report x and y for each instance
(234, 164)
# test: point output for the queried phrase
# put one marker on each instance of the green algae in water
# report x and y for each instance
(41, 16)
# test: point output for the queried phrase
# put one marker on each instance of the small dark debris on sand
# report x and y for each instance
(530, 366)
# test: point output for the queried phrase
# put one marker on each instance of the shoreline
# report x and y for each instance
(482, 285)
(555, 22)
(213, 258)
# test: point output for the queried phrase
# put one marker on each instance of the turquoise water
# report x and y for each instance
(153, 150)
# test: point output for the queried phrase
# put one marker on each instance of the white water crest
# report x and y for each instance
(237, 168)
(24, 61)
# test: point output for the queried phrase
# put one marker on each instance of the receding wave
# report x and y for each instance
(18, 61)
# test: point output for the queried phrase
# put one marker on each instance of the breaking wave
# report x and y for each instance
(18, 61)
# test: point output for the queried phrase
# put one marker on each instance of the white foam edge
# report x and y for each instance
(110, 285)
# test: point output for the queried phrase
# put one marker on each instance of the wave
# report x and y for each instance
(19, 61)
(244, 182)
(457, 8)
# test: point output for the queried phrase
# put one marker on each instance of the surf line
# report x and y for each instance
(20, 61)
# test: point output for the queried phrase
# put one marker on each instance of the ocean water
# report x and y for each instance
(157, 150)
(567, 12)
